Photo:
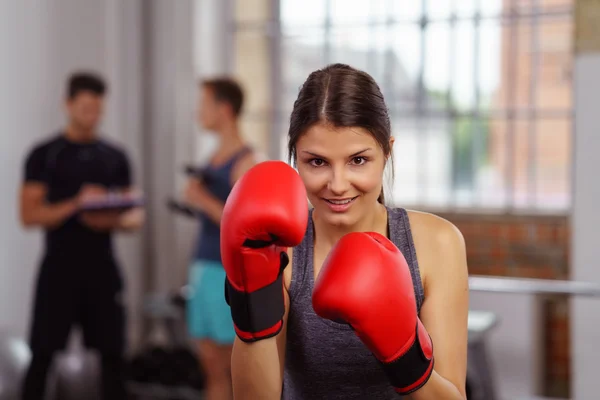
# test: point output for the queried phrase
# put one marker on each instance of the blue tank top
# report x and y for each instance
(217, 180)
(325, 359)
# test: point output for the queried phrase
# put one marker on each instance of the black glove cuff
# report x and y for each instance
(260, 310)
(410, 371)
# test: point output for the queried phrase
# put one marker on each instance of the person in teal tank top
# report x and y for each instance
(208, 315)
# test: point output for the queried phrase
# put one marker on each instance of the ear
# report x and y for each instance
(392, 140)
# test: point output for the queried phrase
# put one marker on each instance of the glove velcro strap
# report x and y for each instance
(411, 370)
(256, 311)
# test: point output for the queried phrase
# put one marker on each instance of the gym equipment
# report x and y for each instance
(75, 375)
(14, 359)
(480, 371)
(480, 382)
(180, 208)
(533, 286)
(166, 367)
(198, 173)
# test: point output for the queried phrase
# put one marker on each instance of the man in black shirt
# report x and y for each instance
(79, 281)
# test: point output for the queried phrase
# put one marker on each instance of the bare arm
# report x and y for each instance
(202, 199)
(35, 211)
(445, 310)
(257, 368)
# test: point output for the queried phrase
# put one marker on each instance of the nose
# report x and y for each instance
(338, 183)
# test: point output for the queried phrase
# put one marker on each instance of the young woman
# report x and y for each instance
(392, 303)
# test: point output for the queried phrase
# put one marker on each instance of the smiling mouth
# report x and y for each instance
(340, 202)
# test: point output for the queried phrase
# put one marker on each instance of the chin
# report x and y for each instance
(337, 219)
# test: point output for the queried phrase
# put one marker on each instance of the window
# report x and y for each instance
(479, 92)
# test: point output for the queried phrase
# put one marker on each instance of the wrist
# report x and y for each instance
(412, 369)
(257, 314)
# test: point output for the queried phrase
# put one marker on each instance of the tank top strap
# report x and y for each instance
(401, 235)
(302, 260)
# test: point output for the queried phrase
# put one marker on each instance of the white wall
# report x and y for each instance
(585, 324)
(41, 43)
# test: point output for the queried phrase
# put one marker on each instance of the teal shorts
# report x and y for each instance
(208, 315)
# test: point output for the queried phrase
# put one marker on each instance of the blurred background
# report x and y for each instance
(494, 108)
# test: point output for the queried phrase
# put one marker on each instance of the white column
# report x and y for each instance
(585, 256)
(169, 136)
(585, 324)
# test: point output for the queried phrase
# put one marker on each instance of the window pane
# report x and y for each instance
(553, 163)
(466, 8)
(405, 10)
(439, 9)
(522, 183)
(404, 67)
(300, 55)
(490, 8)
(405, 188)
(358, 11)
(554, 86)
(491, 176)
(305, 12)
(435, 175)
(463, 82)
(437, 64)
(490, 53)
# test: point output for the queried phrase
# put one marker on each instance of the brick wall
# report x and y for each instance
(532, 247)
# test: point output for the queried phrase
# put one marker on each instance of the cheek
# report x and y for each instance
(315, 179)
(368, 180)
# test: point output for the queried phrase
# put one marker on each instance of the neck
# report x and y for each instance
(77, 134)
(230, 137)
(371, 222)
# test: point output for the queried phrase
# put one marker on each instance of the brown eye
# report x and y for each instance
(359, 160)
(317, 162)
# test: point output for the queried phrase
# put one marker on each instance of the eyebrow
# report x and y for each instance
(352, 155)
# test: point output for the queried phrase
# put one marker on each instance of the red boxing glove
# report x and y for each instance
(266, 212)
(365, 282)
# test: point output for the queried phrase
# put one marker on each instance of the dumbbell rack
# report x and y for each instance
(161, 309)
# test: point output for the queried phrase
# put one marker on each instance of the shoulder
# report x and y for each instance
(40, 149)
(434, 227)
(439, 244)
(244, 163)
(113, 149)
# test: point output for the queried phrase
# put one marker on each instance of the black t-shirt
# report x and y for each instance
(64, 167)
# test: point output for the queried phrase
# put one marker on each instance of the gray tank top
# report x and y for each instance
(325, 359)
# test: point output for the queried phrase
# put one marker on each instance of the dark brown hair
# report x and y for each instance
(228, 91)
(343, 97)
(85, 82)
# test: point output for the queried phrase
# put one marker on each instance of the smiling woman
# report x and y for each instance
(357, 255)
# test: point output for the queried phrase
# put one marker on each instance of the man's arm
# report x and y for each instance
(199, 197)
(35, 211)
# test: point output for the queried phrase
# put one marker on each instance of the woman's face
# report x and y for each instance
(342, 169)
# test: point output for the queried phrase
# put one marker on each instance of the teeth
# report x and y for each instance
(340, 201)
